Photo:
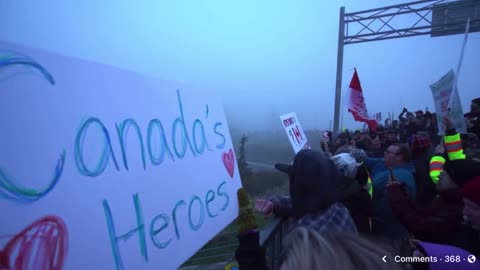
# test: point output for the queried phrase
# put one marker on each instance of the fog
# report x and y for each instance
(265, 58)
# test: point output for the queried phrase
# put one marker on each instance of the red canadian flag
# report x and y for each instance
(357, 105)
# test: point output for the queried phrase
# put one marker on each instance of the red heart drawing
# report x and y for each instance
(229, 162)
(42, 245)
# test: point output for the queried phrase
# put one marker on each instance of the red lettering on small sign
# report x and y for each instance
(444, 105)
(289, 121)
(298, 135)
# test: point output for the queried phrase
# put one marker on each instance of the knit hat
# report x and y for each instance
(471, 190)
(462, 170)
(346, 164)
(315, 182)
(418, 143)
(359, 155)
(441, 251)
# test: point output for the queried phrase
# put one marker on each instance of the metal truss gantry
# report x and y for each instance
(426, 17)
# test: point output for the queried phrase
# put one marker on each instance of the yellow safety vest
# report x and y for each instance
(436, 168)
(370, 192)
(453, 145)
(369, 182)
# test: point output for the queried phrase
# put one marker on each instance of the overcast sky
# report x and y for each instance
(265, 57)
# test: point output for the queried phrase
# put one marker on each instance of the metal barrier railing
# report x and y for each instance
(271, 239)
(222, 247)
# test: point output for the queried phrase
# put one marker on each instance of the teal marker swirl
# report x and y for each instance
(9, 187)
(12, 191)
(11, 59)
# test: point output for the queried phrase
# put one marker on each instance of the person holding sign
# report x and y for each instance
(452, 144)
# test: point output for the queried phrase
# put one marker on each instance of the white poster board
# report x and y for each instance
(442, 91)
(294, 131)
(102, 168)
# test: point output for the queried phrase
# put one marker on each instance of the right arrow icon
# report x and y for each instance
(384, 258)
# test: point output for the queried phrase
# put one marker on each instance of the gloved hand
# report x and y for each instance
(264, 206)
(246, 219)
(249, 253)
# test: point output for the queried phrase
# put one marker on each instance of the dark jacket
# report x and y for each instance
(359, 204)
(436, 222)
(249, 254)
(425, 187)
(356, 200)
(336, 218)
(468, 239)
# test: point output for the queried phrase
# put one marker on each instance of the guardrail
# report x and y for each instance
(271, 239)
(222, 247)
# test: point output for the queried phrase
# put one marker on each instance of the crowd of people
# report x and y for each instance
(402, 197)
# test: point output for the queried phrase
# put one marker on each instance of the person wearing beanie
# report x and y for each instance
(360, 157)
(316, 190)
(249, 253)
(357, 199)
(441, 220)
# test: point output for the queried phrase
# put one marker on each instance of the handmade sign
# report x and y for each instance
(295, 133)
(102, 168)
(442, 91)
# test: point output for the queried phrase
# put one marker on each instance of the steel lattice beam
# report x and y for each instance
(378, 24)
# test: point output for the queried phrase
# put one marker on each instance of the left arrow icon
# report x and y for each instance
(384, 258)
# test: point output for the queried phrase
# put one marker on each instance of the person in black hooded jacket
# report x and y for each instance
(316, 189)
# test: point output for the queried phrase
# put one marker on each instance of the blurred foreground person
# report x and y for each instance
(306, 249)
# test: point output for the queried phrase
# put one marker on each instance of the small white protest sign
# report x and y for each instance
(442, 91)
(294, 131)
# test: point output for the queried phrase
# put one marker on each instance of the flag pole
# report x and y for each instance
(338, 86)
(459, 66)
(342, 109)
